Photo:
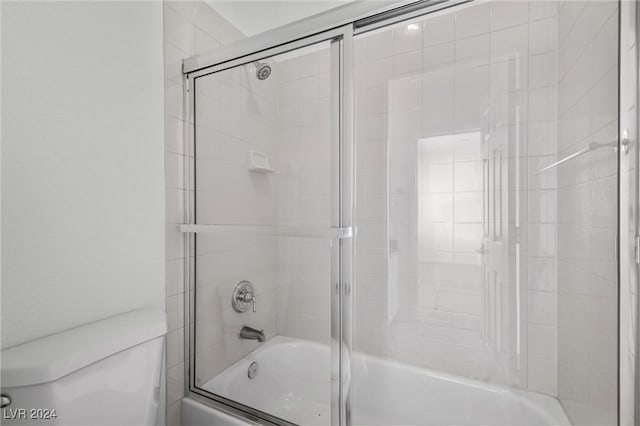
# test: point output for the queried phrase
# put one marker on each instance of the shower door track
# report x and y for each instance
(338, 26)
(359, 17)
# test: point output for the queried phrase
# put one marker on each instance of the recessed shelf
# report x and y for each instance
(259, 162)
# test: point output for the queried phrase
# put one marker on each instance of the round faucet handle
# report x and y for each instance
(249, 297)
(243, 294)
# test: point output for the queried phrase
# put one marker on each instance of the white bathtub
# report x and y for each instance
(293, 382)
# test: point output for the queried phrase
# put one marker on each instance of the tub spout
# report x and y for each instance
(249, 333)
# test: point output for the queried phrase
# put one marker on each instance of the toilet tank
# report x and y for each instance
(103, 373)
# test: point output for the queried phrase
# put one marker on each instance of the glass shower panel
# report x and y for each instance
(442, 198)
(263, 185)
(474, 277)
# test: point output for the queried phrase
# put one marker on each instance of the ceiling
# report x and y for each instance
(255, 16)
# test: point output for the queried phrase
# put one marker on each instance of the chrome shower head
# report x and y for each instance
(263, 71)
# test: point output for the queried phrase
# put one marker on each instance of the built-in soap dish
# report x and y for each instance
(259, 162)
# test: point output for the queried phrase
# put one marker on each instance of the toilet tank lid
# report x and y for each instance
(51, 357)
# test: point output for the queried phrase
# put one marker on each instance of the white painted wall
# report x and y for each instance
(83, 164)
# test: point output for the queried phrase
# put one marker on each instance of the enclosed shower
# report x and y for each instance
(410, 215)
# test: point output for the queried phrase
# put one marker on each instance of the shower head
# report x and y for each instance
(263, 71)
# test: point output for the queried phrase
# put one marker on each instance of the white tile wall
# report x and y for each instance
(190, 27)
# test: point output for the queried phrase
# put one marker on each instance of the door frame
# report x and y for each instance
(628, 241)
(341, 40)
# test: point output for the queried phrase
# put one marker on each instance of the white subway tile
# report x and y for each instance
(407, 37)
(175, 276)
(542, 9)
(542, 376)
(175, 347)
(175, 384)
(473, 20)
(604, 389)
(508, 13)
(509, 43)
(175, 243)
(473, 51)
(542, 307)
(204, 42)
(471, 97)
(174, 135)
(440, 56)
(438, 104)
(405, 94)
(175, 312)
(288, 70)
(468, 176)
(542, 36)
(542, 342)
(542, 70)
(380, 45)
(178, 30)
(407, 63)
(573, 311)
(438, 29)
(542, 104)
(208, 20)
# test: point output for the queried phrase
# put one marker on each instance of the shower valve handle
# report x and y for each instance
(246, 297)
(243, 295)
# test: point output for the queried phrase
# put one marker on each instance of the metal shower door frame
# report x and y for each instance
(342, 190)
(628, 235)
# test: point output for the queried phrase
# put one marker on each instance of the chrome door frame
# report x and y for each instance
(628, 131)
(341, 40)
(362, 15)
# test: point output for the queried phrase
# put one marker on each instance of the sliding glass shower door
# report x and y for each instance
(487, 214)
(270, 211)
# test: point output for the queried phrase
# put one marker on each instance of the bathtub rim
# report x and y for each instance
(236, 409)
(547, 406)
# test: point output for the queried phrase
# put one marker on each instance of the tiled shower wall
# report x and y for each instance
(431, 95)
(587, 211)
(189, 28)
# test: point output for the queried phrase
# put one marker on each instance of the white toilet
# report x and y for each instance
(103, 373)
